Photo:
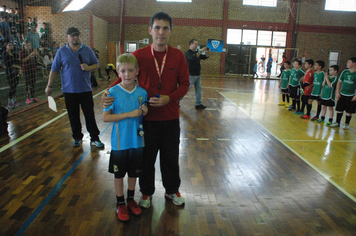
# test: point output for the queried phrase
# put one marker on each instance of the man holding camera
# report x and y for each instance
(193, 58)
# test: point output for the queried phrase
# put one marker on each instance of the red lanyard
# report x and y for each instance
(159, 72)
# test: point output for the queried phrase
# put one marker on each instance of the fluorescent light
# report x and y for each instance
(76, 5)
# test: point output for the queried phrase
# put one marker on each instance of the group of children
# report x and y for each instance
(314, 84)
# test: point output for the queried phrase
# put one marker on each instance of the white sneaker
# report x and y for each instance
(335, 124)
(176, 198)
(346, 127)
(145, 201)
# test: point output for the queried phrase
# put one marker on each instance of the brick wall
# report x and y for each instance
(203, 19)
(239, 12)
(317, 46)
(198, 9)
(100, 38)
(312, 13)
(8, 4)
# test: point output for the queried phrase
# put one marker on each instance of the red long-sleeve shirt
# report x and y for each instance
(174, 80)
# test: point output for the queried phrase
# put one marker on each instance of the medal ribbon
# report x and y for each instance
(159, 72)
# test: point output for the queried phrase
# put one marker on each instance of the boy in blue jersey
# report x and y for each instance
(127, 134)
(346, 94)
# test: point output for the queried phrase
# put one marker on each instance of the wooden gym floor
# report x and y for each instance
(248, 167)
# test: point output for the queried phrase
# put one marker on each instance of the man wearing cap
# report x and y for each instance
(76, 61)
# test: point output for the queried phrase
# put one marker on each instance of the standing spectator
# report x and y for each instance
(75, 61)
(269, 66)
(164, 74)
(29, 58)
(18, 19)
(96, 52)
(13, 30)
(45, 34)
(5, 29)
(193, 58)
(284, 59)
(28, 24)
(12, 74)
(33, 38)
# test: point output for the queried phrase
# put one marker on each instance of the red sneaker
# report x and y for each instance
(305, 117)
(36, 99)
(122, 213)
(314, 118)
(134, 208)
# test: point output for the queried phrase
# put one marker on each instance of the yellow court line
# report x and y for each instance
(23, 137)
(321, 141)
(292, 150)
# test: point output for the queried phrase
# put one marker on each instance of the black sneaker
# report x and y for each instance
(77, 143)
(201, 106)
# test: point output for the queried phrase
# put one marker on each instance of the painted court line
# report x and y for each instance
(65, 177)
(12, 143)
(321, 141)
(306, 161)
(54, 191)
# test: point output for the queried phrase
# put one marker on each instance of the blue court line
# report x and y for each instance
(54, 191)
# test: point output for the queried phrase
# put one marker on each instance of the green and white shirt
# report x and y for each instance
(348, 79)
(295, 76)
(285, 79)
(318, 83)
(329, 92)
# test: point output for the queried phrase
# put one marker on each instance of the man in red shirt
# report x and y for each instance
(163, 73)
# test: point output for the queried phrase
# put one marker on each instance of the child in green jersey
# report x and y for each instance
(317, 87)
(346, 94)
(283, 84)
(296, 75)
(328, 94)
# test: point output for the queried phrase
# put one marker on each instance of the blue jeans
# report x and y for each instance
(196, 81)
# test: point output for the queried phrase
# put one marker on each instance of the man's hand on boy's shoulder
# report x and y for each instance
(107, 101)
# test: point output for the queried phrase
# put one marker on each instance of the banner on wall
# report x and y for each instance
(215, 45)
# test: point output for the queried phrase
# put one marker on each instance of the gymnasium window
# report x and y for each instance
(340, 5)
(257, 37)
(334, 57)
(249, 37)
(76, 5)
(262, 3)
(174, 0)
(264, 38)
(279, 39)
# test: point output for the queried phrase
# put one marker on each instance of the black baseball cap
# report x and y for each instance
(73, 31)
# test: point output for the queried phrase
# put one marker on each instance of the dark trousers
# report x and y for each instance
(162, 136)
(30, 81)
(13, 81)
(73, 103)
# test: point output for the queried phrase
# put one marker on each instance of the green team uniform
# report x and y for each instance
(329, 92)
(348, 79)
(318, 83)
(295, 76)
(285, 79)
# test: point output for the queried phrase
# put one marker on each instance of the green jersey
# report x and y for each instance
(295, 76)
(329, 92)
(348, 79)
(318, 83)
(285, 79)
